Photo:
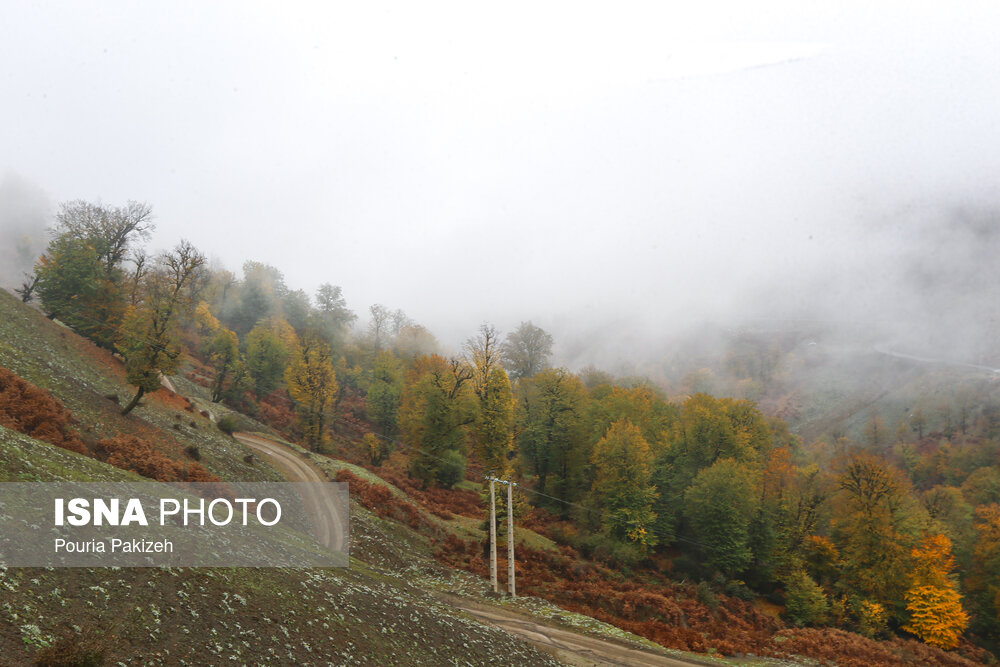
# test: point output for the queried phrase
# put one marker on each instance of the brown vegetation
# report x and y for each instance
(131, 453)
(381, 500)
(33, 411)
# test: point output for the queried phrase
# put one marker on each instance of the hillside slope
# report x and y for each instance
(206, 615)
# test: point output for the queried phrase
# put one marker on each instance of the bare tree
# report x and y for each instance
(379, 325)
(27, 288)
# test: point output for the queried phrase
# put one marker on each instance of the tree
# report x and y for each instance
(378, 327)
(296, 309)
(147, 338)
(334, 314)
(224, 357)
(623, 489)
(494, 422)
(983, 582)
(918, 422)
(720, 504)
(110, 230)
(482, 354)
(260, 295)
(433, 411)
(384, 391)
(80, 278)
(932, 601)
(69, 279)
(526, 350)
(266, 357)
(27, 289)
(491, 386)
(805, 601)
(868, 528)
(551, 432)
(414, 341)
(312, 384)
(875, 430)
(982, 486)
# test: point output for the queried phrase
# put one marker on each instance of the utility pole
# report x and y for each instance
(493, 539)
(510, 539)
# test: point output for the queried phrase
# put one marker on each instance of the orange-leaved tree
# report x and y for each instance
(933, 601)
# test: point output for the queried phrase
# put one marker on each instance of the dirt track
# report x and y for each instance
(322, 505)
(566, 645)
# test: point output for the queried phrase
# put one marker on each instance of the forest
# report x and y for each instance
(889, 530)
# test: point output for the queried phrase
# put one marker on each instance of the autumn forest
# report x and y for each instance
(887, 528)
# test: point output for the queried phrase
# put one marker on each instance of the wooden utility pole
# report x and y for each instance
(510, 540)
(493, 539)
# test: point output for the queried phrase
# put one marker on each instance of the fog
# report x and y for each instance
(617, 178)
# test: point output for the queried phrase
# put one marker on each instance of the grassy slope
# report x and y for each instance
(366, 614)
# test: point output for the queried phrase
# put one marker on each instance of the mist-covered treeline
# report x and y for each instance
(24, 217)
(894, 531)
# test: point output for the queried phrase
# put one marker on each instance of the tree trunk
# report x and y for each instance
(134, 402)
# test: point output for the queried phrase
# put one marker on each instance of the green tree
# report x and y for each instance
(552, 433)
(70, 276)
(224, 358)
(433, 413)
(805, 601)
(526, 350)
(80, 278)
(623, 489)
(720, 504)
(335, 317)
(494, 415)
(384, 391)
(266, 357)
(112, 231)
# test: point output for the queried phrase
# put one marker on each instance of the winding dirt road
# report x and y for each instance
(566, 645)
(321, 502)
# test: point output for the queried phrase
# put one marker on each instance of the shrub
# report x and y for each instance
(33, 411)
(131, 453)
(706, 596)
(227, 425)
(193, 452)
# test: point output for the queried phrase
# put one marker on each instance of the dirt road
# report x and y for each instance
(568, 646)
(323, 505)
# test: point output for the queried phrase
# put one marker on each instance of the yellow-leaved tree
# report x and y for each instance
(312, 384)
(934, 604)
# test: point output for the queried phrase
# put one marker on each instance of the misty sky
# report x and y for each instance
(641, 164)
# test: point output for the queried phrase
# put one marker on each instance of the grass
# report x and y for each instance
(369, 613)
